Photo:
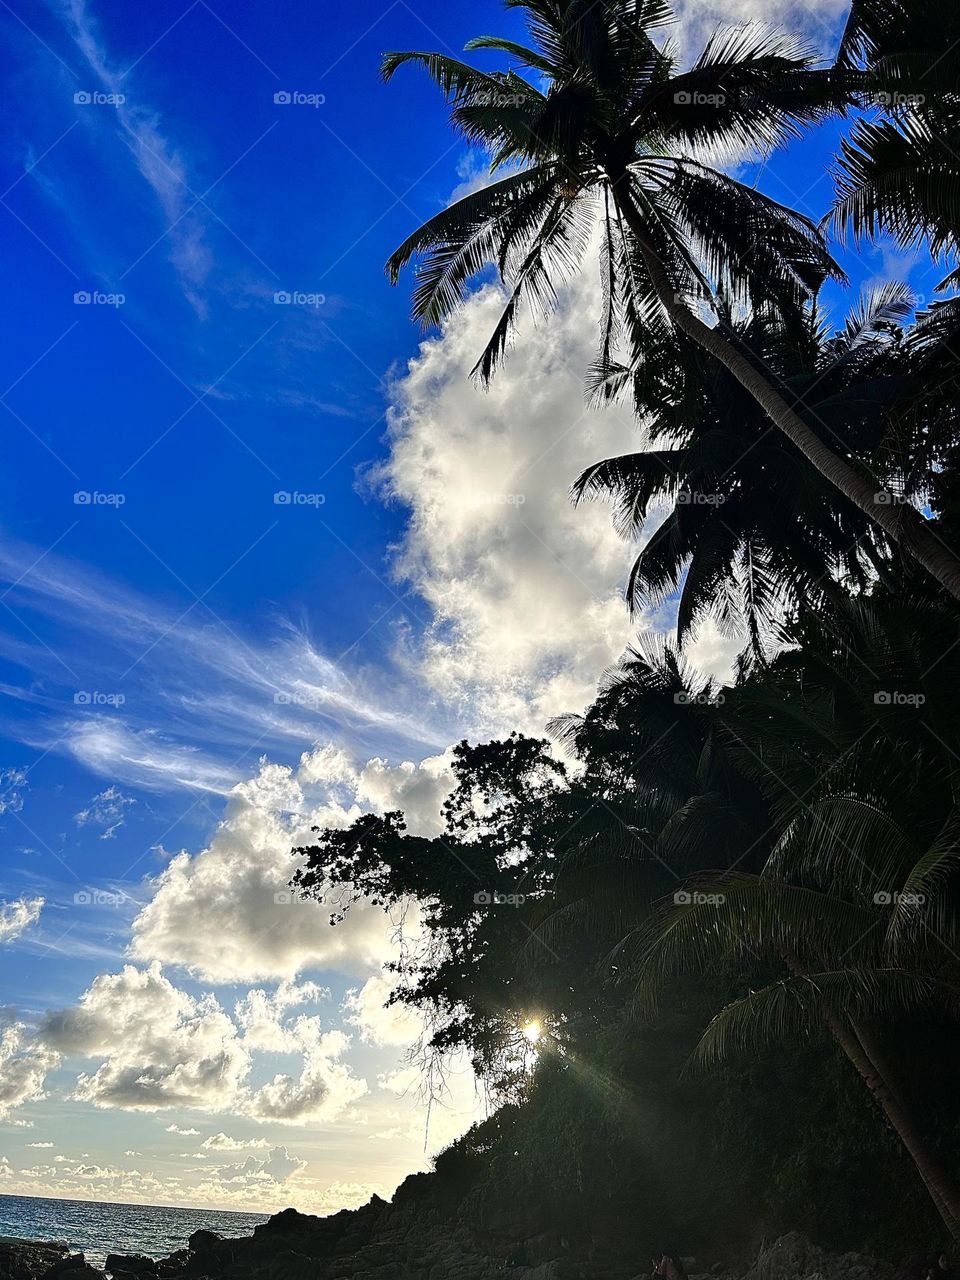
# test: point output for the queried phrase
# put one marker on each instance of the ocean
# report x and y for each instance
(97, 1229)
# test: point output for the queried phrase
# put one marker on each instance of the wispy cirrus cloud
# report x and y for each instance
(159, 161)
(168, 697)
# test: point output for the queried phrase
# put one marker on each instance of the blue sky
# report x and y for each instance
(170, 631)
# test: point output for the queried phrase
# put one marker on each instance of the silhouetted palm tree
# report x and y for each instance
(853, 736)
(612, 130)
(753, 531)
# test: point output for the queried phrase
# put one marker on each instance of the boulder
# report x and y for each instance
(131, 1264)
(204, 1241)
(29, 1259)
(793, 1257)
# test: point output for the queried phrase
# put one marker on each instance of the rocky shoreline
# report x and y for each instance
(405, 1240)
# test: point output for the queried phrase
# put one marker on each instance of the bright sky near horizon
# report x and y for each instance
(265, 553)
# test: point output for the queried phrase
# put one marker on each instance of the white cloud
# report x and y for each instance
(279, 1166)
(12, 785)
(106, 810)
(526, 589)
(184, 1133)
(226, 913)
(158, 161)
(18, 915)
(39, 1144)
(366, 1009)
(160, 1047)
(324, 1088)
(259, 1014)
(24, 1065)
(222, 1142)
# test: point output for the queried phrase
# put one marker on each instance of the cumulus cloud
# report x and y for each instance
(24, 1065)
(324, 1088)
(18, 915)
(819, 20)
(526, 589)
(161, 1047)
(366, 1008)
(226, 912)
(278, 1166)
(259, 1013)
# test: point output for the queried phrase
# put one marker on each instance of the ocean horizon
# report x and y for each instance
(98, 1227)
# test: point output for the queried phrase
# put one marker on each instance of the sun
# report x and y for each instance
(532, 1031)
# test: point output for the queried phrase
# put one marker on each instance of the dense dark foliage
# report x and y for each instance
(703, 948)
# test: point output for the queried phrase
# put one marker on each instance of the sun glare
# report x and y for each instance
(532, 1032)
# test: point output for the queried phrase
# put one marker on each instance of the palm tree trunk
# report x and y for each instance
(943, 1192)
(899, 521)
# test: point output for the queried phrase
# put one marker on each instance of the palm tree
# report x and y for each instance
(612, 130)
(754, 531)
(857, 900)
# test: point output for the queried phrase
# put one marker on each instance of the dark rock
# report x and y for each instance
(70, 1263)
(204, 1241)
(793, 1257)
(29, 1259)
(288, 1220)
(131, 1264)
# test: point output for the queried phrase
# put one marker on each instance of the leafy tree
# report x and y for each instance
(852, 736)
